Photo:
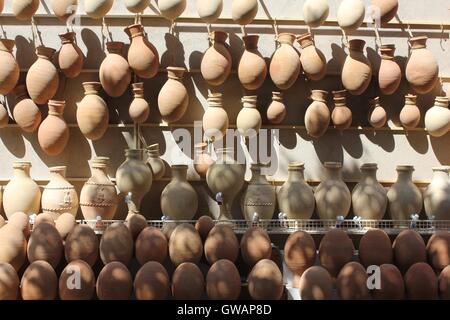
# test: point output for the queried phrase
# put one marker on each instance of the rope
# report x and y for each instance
(344, 38)
(377, 35)
(106, 35)
(275, 28)
(36, 38)
(208, 28)
(172, 28)
(243, 30)
(409, 31)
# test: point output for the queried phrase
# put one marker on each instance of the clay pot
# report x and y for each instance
(59, 196)
(410, 114)
(97, 9)
(276, 112)
(13, 246)
(422, 69)
(135, 223)
(216, 61)
(70, 58)
(24, 9)
(265, 281)
(92, 112)
(9, 282)
(313, 61)
(82, 244)
(249, 119)
(26, 113)
(341, 115)
(39, 282)
(98, 197)
(21, 194)
(142, 55)
(255, 246)
(188, 282)
(392, 286)
(369, 199)
(390, 74)
(315, 12)
(317, 116)
(437, 195)
(45, 243)
(438, 250)
(421, 282)
(4, 117)
(179, 201)
(173, 99)
(437, 118)
(221, 243)
(171, 9)
(409, 248)
(204, 225)
(22, 221)
(244, 11)
(154, 161)
(202, 159)
(151, 245)
(351, 282)
(65, 223)
(299, 253)
(252, 68)
(42, 78)
(137, 6)
(44, 218)
(152, 282)
(223, 281)
(53, 133)
(215, 119)
(316, 284)
(350, 14)
(384, 10)
(114, 282)
(377, 115)
(375, 248)
(357, 69)
(9, 72)
(139, 109)
(444, 283)
(260, 196)
(81, 288)
(335, 250)
(404, 197)
(115, 73)
(185, 245)
(209, 10)
(64, 9)
(285, 65)
(116, 244)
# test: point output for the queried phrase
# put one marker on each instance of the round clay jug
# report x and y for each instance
(53, 133)
(299, 254)
(276, 112)
(42, 78)
(404, 197)
(70, 58)
(136, 223)
(173, 99)
(21, 194)
(185, 245)
(285, 65)
(9, 282)
(317, 116)
(223, 281)
(335, 251)
(92, 112)
(392, 286)
(171, 9)
(296, 198)
(179, 201)
(151, 245)
(81, 288)
(209, 10)
(316, 284)
(115, 73)
(59, 196)
(4, 118)
(154, 161)
(265, 281)
(204, 225)
(116, 244)
(390, 74)
(134, 178)
(342, 115)
(216, 61)
(142, 55)
(97, 9)
(313, 61)
(46, 244)
(137, 6)
(249, 120)
(410, 114)
(252, 68)
(64, 9)
(13, 246)
(221, 243)
(202, 159)
(438, 250)
(139, 109)
(437, 195)
(350, 14)
(82, 244)
(375, 248)
(65, 224)
(357, 70)
(377, 115)
(114, 282)
(444, 283)
(9, 71)
(244, 11)
(351, 282)
(421, 282)
(333, 199)
(422, 69)
(409, 248)
(188, 282)
(98, 197)
(24, 9)
(437, 118)
(26, 113)
(39, 282)
(384, 10)
(315, 12)
(255, 246)
(215, 118)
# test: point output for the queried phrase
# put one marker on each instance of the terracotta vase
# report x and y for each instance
(244, 11)
(377, 115)
(59, 196)
(139, 109)
(39, 282)
(296, 198)
(404, 197)
(357, 70)
(13, 246)
(134, 178)
(98, 197)
(26, 113)
(265, 281)
(64, 9)
(173, 99)
(24, 9)
(209, 10)
(202, 159)
(9, 70)
(341, 115)
(437, 118)
(350, 14)
(21, 194)
(143, 57)
(422, 69)
(171, 9)
(92, 112)
(316, 284)
(317, 116)
(115, 73)
(4, 116)
(384, 10)
(215, 118)
(313, 61)
(97, 9)
(332, 196)
(136, 6)
(437, 195)
(9, 280)
(410, 114)
(390, 74)
(53, 133)
(276, 112)
(42, 78)
(285, 65)
(249, 120)
(70, 59)
(369, 199)
(154, 161)
(252, 69)
(216, 61)
(315, 12)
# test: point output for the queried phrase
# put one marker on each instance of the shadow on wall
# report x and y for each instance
(95, 53)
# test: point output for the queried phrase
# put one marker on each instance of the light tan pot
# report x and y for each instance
(139, 109)
(285, 65)
(357, 70)
(45, 244)
(39, 282)
(437, 195)
(155, 162)
(341, 115)
(53, 133)
(115, 73)
(202, 159)
(24, 9)
(390, 74)
(26, 113)
(70, 59)
(171, 9)
(377, 115)
(315, 12)
(276, 112)
(437, 118)
(137, 6)
(216, 61)
(249, 119)
(384, 10)
(64, 9)
(9, 70)
(313, 61)
(4, 117)
(244, 11)
(97, 9)
(9, 281)
(350, 14)
(13, 246)
(410, 114)
(173, 99)
(252, 69)
(215, 118)
(209, 10)
(317, 116)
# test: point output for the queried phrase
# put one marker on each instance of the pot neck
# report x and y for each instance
(134, 154)
(91, 88)
(22, 169)
(418, 42)
(369, 171)
(135, 30)
(357, 45)
(249, 101)
(7, 45)
(405, 173)
(67, 38)
(138, 90)
(410, 100)
(319, 95)
(375, 102)
(257, 177)
(215, 100)
(334, 170)
(305, 40)
(218, 37)
(100, 165)
(441, 172)
(45, 52)
(387, 52)
(153, 151)
(251, 42)
(441, 102)
(225, 155)
(115, 47)
(56, 108)
(296, 171)
(179, 172)
(175, 73)
(58, 172)
(286, 38)
(277, 96)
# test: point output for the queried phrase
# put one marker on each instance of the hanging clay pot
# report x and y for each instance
(209, 10)
(137, 6)
(437, 195)
(285, 65)
(9, 71)
(26, 113)
(171, 9)
(422, 69)
(92, 112)
(357, 70)
(317, 116)
(39, 282)
(202, 159)
(98, 197)
(114, 282)
(390, 74)
(333, 199)
(313, 61)
(377, 115)
(42, 78)
(173, 99)
(252, 69)
(265, 281)
(70, 59)
(223, 281)
(155, 162)
(59, 196)
(4, 118)
(215, 119)
(410, 114)
(216, 61)
(9, 282)
(142, 55)
(97, 9)
(53, 134)
(64, 9)
(249, 119)
(315, 12)
(244, 11)
(139, 109)
(350, 14)
(115, 73)
(316, 284)
(188, 282)
(341, 115)
(276, 112)
(384, 10)
(24, 9)
(437, 118)
(179, 201)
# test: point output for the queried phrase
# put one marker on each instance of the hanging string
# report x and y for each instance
(172, 28)
(208, 28)
(275, 28)
(442, 40)
(244, 32)
(106, 35)
(408, 29)
(344, 38)
(36, 36)
(377, 35)
(310, 31)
